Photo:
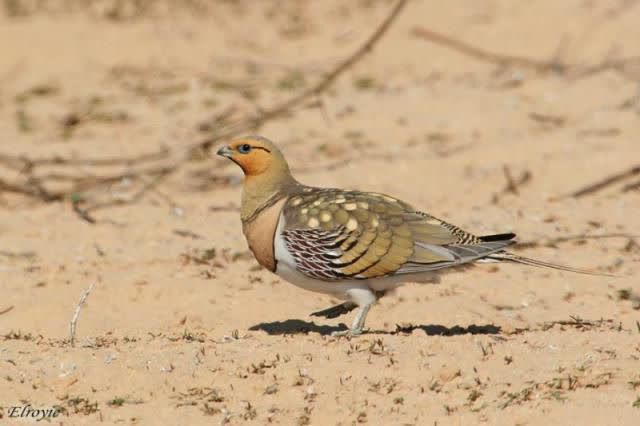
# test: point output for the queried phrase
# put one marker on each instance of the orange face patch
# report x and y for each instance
(253, 156)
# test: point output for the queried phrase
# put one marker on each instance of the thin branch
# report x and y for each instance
(513, 184)
(486, 55)
(22, 162)
(631, 186)
(602, 183)
(85, 212)
(6, 310)
(29, 191)
(24, 254)
(35, 188)
(541, 66)
(338, 70)
(286, 106)
(76, 315)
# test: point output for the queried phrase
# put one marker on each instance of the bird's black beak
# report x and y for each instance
(225, 151)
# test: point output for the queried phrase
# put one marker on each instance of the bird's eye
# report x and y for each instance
(244, 148)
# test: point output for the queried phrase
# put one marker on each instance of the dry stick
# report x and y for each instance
(513, 185)
(25, 254)
(339, 70)
(22, 163)
(34, 188)
(601, 184)
(26, 190)
(84, 213)
(289, 104)
(485, 55)
(76, 314)
(4, 311)
(618, 65)
(631, 186)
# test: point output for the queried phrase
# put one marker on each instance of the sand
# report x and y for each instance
(182, 327)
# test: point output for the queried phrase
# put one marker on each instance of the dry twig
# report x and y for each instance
(76, 315)
(486, 55)
(298, 99)
(604, 183)
(85, 212)
(5, 310)
(631, 186)
(24, 254)
(623, 66)
(513, 184)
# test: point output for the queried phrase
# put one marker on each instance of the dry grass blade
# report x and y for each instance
(623, 66)
(6, 310)
(76, 315)
(486, 55)
(603, 183)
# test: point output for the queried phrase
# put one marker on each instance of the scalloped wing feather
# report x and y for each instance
(335, 234)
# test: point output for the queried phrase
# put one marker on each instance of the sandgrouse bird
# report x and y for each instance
(350, 244)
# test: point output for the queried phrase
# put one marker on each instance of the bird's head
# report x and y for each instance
(266, 171)
(256, 156)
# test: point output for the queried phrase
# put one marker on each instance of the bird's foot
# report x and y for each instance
(335, 311)
(348, 333)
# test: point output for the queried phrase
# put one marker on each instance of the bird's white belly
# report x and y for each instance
(336, 288)
(286, 269)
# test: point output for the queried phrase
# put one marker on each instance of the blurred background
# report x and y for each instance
(495, 115)
(164, 80)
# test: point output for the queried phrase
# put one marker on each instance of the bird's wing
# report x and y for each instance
(334, 234)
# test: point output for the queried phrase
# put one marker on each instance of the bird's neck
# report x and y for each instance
(262, 191)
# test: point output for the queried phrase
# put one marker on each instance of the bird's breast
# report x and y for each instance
(260, 233)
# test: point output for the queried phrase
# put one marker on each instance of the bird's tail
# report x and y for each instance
(510, 257)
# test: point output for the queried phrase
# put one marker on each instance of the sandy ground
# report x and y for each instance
(182, 327)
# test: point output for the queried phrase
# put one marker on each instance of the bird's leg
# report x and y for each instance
(342, 308)
(364, 298)
(335, 311)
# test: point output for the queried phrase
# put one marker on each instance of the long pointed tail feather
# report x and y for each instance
(510, 257)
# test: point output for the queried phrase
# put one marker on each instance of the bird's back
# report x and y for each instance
(336, 234)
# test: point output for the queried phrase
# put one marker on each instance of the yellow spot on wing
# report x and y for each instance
(325, 216)
(352, 224)
(350, 206)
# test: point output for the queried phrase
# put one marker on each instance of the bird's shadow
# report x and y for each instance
(296, 326)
